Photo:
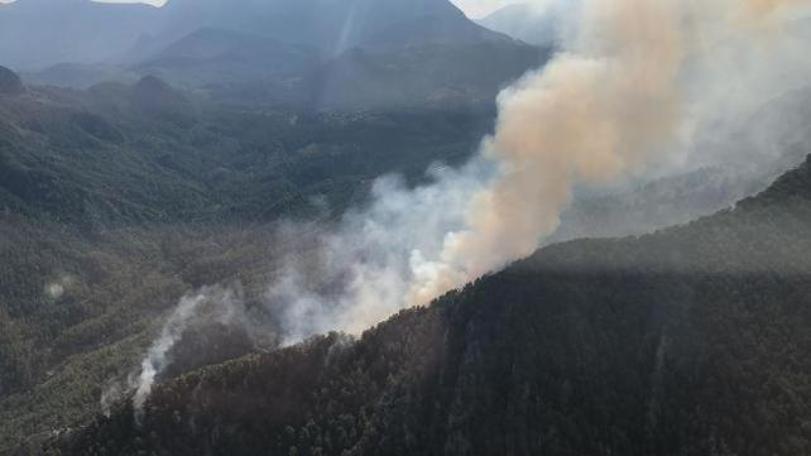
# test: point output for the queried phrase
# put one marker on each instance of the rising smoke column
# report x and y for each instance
(614, 100)
(594, 112)
(590, 114)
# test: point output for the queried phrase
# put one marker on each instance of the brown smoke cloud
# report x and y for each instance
(760, 8)
(625, 94)
(609, 104)
(590, 115)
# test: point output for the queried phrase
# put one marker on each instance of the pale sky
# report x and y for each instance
(473, 8)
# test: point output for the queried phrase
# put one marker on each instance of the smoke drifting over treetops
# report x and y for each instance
(590, 114)
(206, 306)
(617, 99)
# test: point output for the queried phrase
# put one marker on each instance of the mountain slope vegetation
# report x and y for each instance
(688, 341)
(85, 156)
(117, 201)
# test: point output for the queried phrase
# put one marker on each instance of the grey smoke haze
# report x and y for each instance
(361, 270)
(624, 98)
(627, 97)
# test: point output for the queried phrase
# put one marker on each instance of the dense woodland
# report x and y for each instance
(161, 150)
(116, 201)
(690, 341)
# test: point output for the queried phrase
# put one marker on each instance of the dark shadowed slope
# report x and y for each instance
(691, 341)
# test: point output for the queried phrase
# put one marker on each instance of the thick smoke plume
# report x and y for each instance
(589, 115)
(618, 98)
(613, 101)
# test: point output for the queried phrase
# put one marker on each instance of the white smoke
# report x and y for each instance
(206, 306)
(361, 271)
(155, 360)
(619, 98)
(624, 95)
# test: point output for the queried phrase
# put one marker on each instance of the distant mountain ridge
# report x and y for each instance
(315, 54)
(83, 31)
(526, 22)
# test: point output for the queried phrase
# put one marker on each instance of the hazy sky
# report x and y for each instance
(473, 8)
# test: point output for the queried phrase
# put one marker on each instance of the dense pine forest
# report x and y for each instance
(116, 201)
(689, 341)
(405, 227)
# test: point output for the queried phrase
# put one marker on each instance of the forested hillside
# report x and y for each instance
(151, 153)
(116, 201)
(192, 196)
(689, 341)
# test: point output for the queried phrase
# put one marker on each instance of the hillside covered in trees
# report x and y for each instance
(689, 341)
(193, 195)
(116, 201)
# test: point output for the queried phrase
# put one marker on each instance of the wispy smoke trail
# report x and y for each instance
(156, 359)
(209, 304)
